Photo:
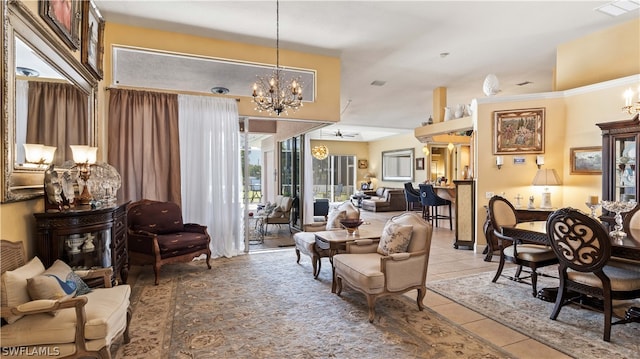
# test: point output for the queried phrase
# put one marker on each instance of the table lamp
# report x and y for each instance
(84, 157)
(546, 177)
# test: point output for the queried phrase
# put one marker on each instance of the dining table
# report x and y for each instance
(536, 232)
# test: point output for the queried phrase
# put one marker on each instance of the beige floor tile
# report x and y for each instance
(495, 332)
(531, 349)
(457, 313)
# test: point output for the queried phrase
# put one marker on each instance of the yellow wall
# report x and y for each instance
(394, 143)
(605, 55)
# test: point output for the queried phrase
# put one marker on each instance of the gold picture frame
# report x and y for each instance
(363, 164)
(518, 131)
(63, 16)
(586, 160)
(92, 39)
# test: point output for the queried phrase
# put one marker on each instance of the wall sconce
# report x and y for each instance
(84, 157)
(539, 161)
(425, 149)
(450, 146)
(499, 161)
(630, 107)
(37, 155)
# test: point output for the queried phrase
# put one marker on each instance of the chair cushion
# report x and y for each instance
(305, 242)
(156, 217)
(106, 313)
(623, 278)
(395, 238)
(175, 244)
(362, 270)
(531, 252)
(14, 286)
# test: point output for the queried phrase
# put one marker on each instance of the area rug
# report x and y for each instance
(265, 305)
(576, 332)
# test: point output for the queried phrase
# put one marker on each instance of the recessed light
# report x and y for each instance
(378, 83)
(444, 54)
(524, 83)
(25, 71)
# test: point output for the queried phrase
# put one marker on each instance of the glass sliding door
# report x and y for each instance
(291, 175)
(334, 177)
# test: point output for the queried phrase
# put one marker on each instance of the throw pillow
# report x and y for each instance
(14, 286)
(334, 218)
(395, 238)
(58, 281)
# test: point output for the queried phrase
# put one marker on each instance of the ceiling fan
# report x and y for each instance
(341, 134)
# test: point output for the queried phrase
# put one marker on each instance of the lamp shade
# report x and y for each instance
(546, 177)
(36, 153)
(84, 154)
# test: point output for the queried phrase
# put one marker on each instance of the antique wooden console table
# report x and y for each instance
(85, 238)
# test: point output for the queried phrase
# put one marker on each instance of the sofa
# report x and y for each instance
(385, 199)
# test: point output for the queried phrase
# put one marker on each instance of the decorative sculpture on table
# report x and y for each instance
(618, 207)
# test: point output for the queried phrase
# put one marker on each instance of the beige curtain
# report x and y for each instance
(57, 116)
(144, 145)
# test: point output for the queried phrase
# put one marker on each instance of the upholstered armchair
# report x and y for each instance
(395, 264)
(158, 236)
(305, 241)
(43, 316)
(281, 214)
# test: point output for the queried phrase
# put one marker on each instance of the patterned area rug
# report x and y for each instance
(264, 305)
(576, 332)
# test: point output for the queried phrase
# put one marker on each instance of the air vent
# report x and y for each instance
(378, 83)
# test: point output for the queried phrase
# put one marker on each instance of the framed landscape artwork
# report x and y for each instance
(586, 160)
(92, 38)
(420, 163)
(61, 15)
(518, 131)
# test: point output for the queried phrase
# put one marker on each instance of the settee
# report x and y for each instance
(385, 199)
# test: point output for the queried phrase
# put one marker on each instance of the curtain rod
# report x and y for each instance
(107, 88)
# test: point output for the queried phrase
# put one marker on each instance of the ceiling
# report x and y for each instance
(411, 46)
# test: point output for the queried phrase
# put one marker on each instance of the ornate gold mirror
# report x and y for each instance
(27, 118)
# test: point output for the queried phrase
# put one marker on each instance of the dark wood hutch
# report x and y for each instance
(619, 161)
(85, 238)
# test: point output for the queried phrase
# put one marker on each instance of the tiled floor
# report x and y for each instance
(447, 262)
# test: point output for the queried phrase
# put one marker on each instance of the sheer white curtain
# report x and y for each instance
(210, 170)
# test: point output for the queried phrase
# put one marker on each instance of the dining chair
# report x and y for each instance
(430, 204)
(533, 256)
(586, 269)
(412, 196)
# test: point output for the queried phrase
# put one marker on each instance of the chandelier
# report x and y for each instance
(629, 106)
(275, 94)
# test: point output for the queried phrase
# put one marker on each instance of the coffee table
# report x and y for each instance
(359, 197)
(336, 240)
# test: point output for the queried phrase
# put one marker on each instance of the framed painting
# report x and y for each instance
(63, 17)
(420, 163)
(518, 131)
(363, 164)
(92, 38)
(586, 160)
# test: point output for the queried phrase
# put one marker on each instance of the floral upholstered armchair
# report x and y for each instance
(158, 236)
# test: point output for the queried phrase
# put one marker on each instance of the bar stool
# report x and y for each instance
(430, 203)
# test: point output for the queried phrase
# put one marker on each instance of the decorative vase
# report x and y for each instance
(448, 115)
